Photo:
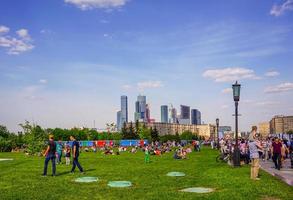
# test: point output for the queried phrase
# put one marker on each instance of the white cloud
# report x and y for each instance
(267, 103)
(43, 81)
(143, 85)
(278, 10)
(4, 29)
(15, 45)
(283, 87)
(149, 84)
(272, 73)
(230, 74)
(23, 33)
(227, 90)
(126, 87)
(91, 4)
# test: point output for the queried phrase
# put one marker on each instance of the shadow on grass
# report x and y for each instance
(68, 172)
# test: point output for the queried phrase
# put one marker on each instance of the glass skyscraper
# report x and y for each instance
(195, 117)
(124, 109)
(118, 124)
(185, 115)
(164, 114)
(140, 109)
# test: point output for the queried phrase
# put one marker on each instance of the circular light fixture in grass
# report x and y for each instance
(6, 159)
(176, 174)
(198, 190)
(86, 179)
(119, 184)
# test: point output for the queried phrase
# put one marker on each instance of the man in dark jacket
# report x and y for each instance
(75, 155)
(50, 155)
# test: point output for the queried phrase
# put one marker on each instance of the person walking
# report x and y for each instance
(75, 155)
(50, 155)
(254, 147)
(276, 149)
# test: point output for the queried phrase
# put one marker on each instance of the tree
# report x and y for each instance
(34, 137)
(144, 133)
(155, 134)
(186, 135)
(137, 127)
(290, 132)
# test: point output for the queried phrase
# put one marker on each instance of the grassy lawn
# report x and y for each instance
(21, 178)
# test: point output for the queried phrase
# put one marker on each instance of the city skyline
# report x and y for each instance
(59, 72)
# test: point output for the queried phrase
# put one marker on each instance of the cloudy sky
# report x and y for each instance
(65, 63)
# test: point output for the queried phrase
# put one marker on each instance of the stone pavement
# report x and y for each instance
(285, 174)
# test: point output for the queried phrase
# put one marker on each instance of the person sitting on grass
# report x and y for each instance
(50, 154)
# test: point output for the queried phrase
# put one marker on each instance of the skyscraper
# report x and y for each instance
(148, 113)
(140, 109)
(164, 114)
(124, 109)
(119, 124)
(195, 117)
(185, 115)
(173, 115)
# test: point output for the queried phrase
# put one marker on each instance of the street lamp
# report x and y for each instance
(236, 96)
(218, 142)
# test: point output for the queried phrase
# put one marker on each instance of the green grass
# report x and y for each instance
(21, 178)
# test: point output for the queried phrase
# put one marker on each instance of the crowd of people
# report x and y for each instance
(255, 148)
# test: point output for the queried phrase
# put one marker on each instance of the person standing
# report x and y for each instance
(59, 148)
(254, 147)
(75, 155)
(276, 149)
(50, 155)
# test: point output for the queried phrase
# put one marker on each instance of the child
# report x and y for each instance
(67, 155)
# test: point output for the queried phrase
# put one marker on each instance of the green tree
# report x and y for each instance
(155, 134)
(186, 135)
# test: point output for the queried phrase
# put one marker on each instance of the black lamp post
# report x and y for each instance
(236, 95)
(218, 139)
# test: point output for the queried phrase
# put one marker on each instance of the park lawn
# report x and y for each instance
(21, 178)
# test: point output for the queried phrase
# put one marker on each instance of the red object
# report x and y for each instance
(111, 143)
(141, 143)
(101, 143)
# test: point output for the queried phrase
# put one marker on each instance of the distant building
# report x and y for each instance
(281, 124)
(195, 117)
(164, 114)
(264, 129)
(124, 109)
(205, 130)
(148, 113)
(173, 115)
(119, 122)
(185, 115)
(223, 130)
(140, 109)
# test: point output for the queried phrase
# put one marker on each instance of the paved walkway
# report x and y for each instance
(285, 174)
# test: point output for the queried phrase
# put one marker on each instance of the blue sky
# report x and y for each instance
(65, 63)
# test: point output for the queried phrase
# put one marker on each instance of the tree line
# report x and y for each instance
(32, 139)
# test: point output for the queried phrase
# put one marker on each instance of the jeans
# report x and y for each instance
(277, 160)
(48, 158)
(76, 163)
(59, 157)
